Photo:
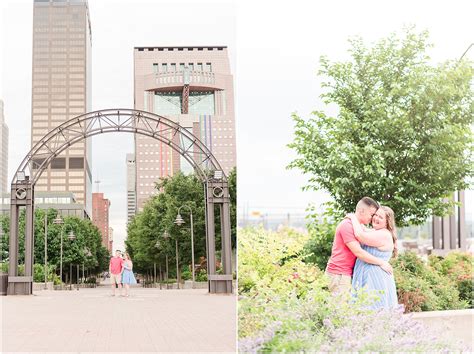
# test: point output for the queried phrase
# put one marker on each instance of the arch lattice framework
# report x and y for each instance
(205, 165)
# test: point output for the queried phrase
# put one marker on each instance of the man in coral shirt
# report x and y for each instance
(346, 249)
(115, 270)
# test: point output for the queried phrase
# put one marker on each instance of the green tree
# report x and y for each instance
(86, 249)
(232, 179)
(146, 242)
(402, 133)
(4, 237)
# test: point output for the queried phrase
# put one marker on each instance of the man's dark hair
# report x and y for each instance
(118, 251)
(369, 202)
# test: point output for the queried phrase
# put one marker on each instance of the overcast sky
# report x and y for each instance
(274, 46)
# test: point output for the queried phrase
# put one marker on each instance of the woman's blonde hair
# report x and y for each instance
(127, 256)
(390, 217)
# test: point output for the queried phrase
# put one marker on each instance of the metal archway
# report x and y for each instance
(131, 121)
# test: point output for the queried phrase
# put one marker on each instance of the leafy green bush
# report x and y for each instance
(321, 229)
(285, 306)
(91, 280)
(201, 275)
(457, 266)
(186, 274)
(422, 287)
(38, 273)
(4, 268)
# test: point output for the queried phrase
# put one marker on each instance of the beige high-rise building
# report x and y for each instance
(3, 153)
(61, 90)
(192, 86)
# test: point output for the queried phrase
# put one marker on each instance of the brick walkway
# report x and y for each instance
(90, 320)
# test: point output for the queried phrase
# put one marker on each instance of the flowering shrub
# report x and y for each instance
(422, 287)
(285, 306)
(457, 266)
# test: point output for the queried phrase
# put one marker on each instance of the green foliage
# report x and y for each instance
(85, 249)
(402, 134)
(146, 243)
(91, 280)
(38, 274)
(201, 275)
(421, 287)
(4, 237)
(457, 266)
(321, 229)
(232, 179)
(272, 276)
(285, 306)
(265, 259)
(186, 274)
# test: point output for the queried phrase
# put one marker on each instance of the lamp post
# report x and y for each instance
(71, 236)
(158, 245)
(87, 253)
(179, 221)
(166, 236)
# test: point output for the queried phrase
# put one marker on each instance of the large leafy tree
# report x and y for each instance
(402, 132)
(86, 249)
(146, 242)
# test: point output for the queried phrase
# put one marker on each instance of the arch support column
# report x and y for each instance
(217, 195)
(22, 196)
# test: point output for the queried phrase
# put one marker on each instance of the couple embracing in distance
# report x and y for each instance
(360, 255)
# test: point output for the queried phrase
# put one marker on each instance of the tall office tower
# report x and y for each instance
(131, 194)
(192, 86)
(3, 153)
(100, 216)
(62, 90)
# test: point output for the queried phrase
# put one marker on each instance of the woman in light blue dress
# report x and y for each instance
(127, 274)
(381, 242)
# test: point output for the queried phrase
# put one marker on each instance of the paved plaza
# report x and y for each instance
(90, 320)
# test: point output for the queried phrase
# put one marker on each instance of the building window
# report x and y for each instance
(155, 67)
(208, 67)
(168, 103)
(164, 67)
(173, 67)
(191, 66)
(181, 67)
(199, 66)
(58, 163)
(76, 163)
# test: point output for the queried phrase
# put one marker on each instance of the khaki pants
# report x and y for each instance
(116, 278)
(339, 283)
